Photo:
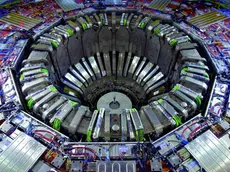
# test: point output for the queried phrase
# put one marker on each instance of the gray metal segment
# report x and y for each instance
(62, 113)
(149, 75)
(144, 72)
(196, 76)
(138, 20)
(41, 94)
(107, 126)
(129, 123)
(77, 119)
(107, 63)
(93, 120)
(103, 72)
(44, 100)
(176, 106)
(158, 84)
(153, 119)
(133, 66)
(35, 83)
(31, 67)
(190, 93)
(167, 31)
(165, 113)
(72, 86)
(32, 72)
(122, 19)
(89, 70)
(136, 120)
(78, 76)
(53, 107)
(129, 19)
(136, 74)
(193, 84)
(168, 108)
(75, 81)
(98, 124)
(114, 62)
(95, 67)
(186, 99)
(197, 71)
(153, 80)
(126, 67)
(123, 125)
(121, 59)
(196, 65)
(84, 73)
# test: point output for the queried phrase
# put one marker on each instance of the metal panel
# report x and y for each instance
(206, 19)
(17, 20)
(69, 5)
(210, 152)
(21, 154)
(159, 4)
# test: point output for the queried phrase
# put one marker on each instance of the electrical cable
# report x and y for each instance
(86, 148)
(44, 131)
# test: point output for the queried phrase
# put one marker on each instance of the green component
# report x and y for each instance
(73, 103)
(185, 69)
(88, 19)
(134, 110)
(125, 21)
(45, 71)
(54, 44)
(57, 124)
(142, 25)
(176, 87)
(155, 22)
(178, 121)
(160, 100)
(157, 31)
(88, 137)
(22, 76)
(69, 31)
(10, 3)
(84, 25)
(52, 88)
(198, 100)
(30, 103)
(173, 42)
(139, 135)
(206, 75)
